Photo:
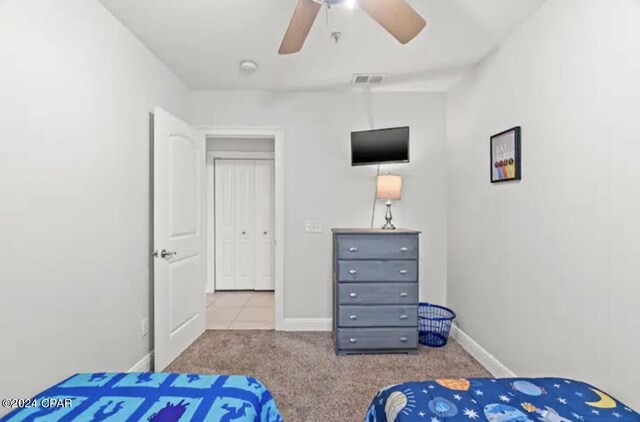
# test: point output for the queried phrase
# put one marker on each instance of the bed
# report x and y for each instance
(151, 397)
(497, 400)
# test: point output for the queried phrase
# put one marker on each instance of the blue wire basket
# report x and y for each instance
(434, 324)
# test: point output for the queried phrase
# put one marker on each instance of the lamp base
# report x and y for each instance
(388, 217)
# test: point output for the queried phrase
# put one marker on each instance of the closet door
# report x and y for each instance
(264, 210)
(225, 224)
(244, 212)
(245, 224)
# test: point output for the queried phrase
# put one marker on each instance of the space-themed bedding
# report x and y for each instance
(151, 397)
(497, 400)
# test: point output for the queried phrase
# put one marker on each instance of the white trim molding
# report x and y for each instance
(486, 359)
(143, 365)
(306, 324)
(278, 138)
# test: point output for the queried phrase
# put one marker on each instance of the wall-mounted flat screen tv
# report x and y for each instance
(380, 146)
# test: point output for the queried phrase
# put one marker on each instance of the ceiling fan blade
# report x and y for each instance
(396, 16)
(301, 22)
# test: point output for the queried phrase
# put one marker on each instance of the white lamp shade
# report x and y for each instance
(389, 186)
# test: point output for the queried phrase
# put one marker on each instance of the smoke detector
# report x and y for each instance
(248, 67)
(367, 78)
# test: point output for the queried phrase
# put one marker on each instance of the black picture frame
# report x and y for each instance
(505, 147)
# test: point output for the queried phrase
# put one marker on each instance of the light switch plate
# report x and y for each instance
(313, 226)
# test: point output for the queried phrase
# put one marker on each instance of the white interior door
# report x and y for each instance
(244, 201)
(264, 210)
(179, 237)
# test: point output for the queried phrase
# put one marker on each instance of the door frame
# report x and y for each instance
(277, 134)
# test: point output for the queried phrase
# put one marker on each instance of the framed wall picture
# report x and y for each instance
(505, 156)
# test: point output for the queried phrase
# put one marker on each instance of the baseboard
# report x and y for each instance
(486, 359)
(306, 324)
(144, 365)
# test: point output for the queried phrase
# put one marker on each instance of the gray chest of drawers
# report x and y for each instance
(375, 291)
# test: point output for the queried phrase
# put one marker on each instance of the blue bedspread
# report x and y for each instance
(152, 397)
(497, 400)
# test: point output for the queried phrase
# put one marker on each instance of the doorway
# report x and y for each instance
(182, 227)
(241, 285)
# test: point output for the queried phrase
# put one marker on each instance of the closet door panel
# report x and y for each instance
(264, 210)
(245, 224)
(225, 232)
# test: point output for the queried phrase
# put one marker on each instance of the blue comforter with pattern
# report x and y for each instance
(151, 397)
(497, 400)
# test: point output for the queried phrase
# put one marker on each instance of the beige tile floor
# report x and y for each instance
(240, 311)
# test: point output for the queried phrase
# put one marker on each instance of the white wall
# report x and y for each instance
(321, 184)
(544, 273)
(75, 92)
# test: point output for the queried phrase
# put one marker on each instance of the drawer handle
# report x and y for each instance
(404, 316)
(403, 271)
(353, 340)
(352, 317)
(352, 271)
(404, 249)
(353, 294)
(403, 294)
(404, 339)
(353, 249)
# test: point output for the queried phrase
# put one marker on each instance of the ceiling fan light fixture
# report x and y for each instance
(395, 16)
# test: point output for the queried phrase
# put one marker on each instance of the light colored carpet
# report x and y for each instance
(309, 382)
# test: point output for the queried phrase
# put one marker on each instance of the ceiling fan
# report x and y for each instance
(396, 16)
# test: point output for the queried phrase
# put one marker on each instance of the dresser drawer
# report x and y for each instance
(378, 316)
(377, 247)
(355, 271)
(377, 338)
(378, 293)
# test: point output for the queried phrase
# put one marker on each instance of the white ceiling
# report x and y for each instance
(203, 41)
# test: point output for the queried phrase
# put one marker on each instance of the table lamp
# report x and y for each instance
(389, 187)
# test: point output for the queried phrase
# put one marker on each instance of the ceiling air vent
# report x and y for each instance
(363, 79)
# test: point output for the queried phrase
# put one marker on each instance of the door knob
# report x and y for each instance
(353, 340)
(403, 294)
(167, 254)
(404, 249)
(403, 271)
(264, 232)
(353, 317)
(353, 294)
(352, 271)
(404, 316)
(404, 339)
(353, 249)
(244, 232)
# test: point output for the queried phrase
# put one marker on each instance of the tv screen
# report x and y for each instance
(380, 146)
